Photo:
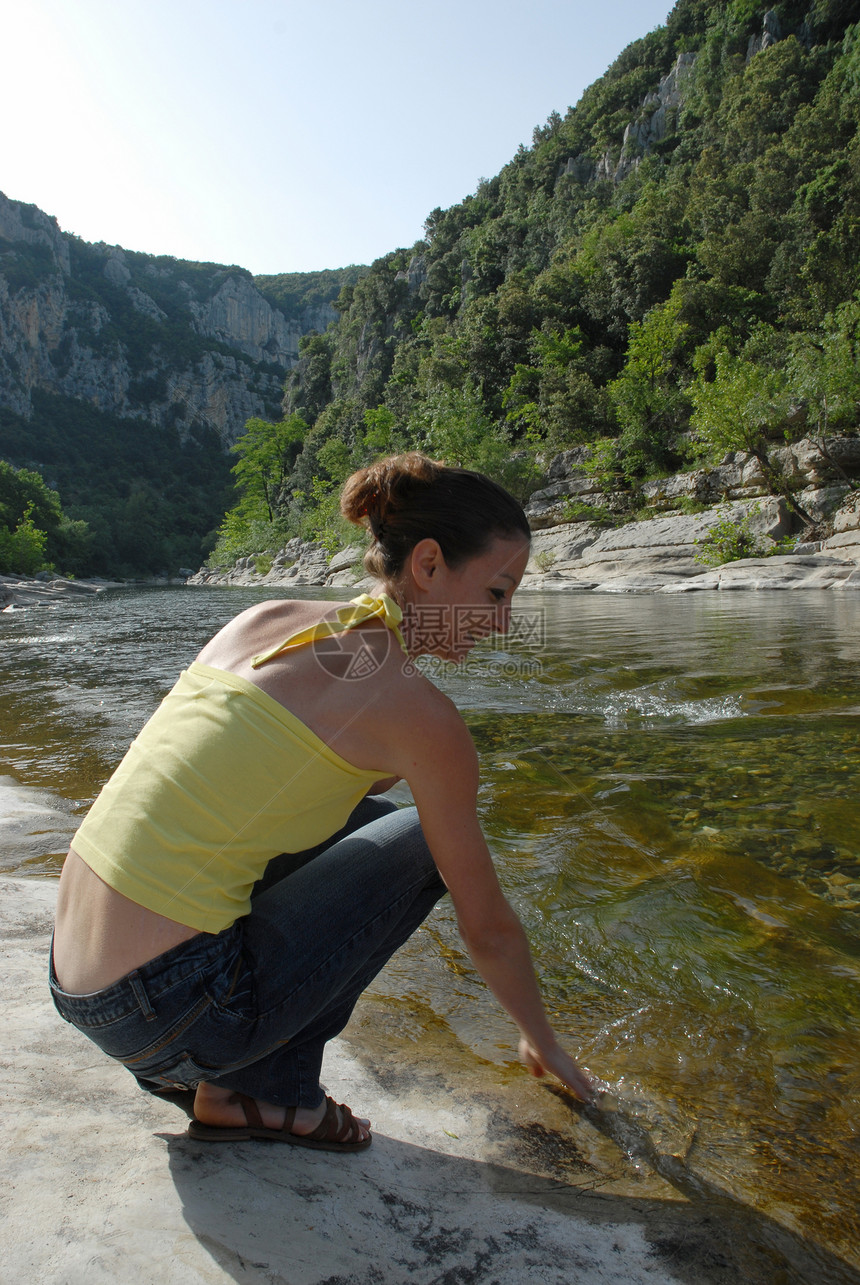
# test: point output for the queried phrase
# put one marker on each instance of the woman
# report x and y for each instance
(235, 886)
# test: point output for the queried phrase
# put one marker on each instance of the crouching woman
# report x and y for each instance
(237, 884)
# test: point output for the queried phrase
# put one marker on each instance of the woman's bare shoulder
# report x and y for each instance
(264, 625)
(417, 709)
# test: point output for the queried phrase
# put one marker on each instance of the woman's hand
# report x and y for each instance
(559, 1064)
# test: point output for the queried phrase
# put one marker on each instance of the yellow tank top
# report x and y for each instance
(220, 780)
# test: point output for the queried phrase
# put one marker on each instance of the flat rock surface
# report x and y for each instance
(472, 1180)
(32, 821)
(28, 591)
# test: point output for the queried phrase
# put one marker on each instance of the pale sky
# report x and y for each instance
(280, 135)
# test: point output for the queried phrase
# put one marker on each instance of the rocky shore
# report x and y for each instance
(476, 1174)
(581, 542)
(17, 592)
(661, 554)
(38, 591)
(661, 550)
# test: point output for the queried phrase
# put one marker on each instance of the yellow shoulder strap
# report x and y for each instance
(360, 609)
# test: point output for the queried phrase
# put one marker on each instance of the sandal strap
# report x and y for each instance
(249, 1106)
(336, 1127)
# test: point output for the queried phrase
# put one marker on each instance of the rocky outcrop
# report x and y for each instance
(665, 554)
(658, 115)
(771, 33)
(174, 343)
(656, 119)
(415, 274)
(238, 315)
(300, 562)
(662, 554)
(17, 592)
(28, 226)
(582, 540)
(638, 555)
(845, 541)
(672, 568)
(572, 493)
(820, 472)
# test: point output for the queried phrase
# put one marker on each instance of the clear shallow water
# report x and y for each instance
(670, 787)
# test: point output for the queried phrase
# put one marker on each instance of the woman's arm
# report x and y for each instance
(443, 776)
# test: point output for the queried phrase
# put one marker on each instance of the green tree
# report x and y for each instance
(35, 530)
(266, 454)
(23, 491)
(454, 426)
(824, 370)
(744, 404)
(261, 520)
(649, 400)
(22, 550)
(555, 400)
(381, 436)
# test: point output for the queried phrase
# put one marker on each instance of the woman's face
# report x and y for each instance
(459, 606)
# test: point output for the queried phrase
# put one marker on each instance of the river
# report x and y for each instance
(670, 787)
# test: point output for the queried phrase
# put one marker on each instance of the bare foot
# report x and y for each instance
(219, 1107)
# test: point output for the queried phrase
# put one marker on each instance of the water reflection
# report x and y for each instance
(672, 796)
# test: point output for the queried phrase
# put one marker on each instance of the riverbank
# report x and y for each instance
(473, 1175)
(17, 592)
(655, 555)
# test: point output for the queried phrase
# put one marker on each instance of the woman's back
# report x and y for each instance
(357, 718)
(354, 689)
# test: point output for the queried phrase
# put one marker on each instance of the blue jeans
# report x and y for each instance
(251, 1008)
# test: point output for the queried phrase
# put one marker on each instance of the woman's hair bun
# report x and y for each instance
(373, 492)
(407, 498)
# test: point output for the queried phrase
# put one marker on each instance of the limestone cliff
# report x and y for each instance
(179, 344)
(658, 115)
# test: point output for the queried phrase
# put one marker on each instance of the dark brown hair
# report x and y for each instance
(407, 498)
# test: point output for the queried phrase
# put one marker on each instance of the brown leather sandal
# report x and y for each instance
(337, 1131)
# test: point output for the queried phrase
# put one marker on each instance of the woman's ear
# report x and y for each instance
(426, 564)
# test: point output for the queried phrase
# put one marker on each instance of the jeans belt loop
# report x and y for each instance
(141, 996)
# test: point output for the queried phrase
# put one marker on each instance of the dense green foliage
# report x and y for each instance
(700, 273)
(150, 502)
(293, 292)
(35, 534)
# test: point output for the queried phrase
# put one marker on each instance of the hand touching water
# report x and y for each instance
(554, 1060)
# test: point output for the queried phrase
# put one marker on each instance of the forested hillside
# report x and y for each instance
(670, 271)
(124, 378)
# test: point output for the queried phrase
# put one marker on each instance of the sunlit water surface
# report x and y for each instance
(670, 786)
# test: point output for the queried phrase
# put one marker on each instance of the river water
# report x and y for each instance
(670, 787)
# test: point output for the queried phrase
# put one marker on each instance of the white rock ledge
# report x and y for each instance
(28, 591)
(655, 555)
(471, 1178)
(659, 555)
